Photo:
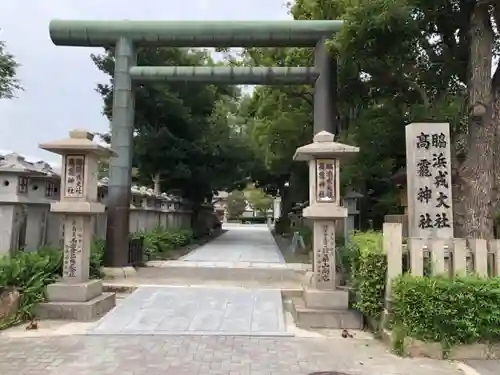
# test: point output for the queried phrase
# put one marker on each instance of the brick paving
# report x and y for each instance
(205, 355)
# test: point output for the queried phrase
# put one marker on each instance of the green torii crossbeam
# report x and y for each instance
(193, 33)
(216, 74)
(126, 36)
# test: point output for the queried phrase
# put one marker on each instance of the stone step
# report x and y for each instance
(322, 318)
(259, 272)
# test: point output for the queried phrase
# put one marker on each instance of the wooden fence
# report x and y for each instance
(438, 257)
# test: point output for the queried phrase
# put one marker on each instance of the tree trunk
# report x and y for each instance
(475, 214)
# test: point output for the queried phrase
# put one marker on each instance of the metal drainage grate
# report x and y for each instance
(328, 373)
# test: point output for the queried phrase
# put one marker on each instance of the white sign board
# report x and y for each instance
(428, 169)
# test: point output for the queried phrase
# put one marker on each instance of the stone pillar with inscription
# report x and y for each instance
(75, 296)
(428, 170)
(324, 157)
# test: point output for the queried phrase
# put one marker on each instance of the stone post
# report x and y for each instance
(75, 296)
(323, 156)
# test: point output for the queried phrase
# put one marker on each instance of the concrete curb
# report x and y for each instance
(466, 369)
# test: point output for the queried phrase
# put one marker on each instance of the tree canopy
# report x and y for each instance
(400, 61)
(184, 134)
(258, 199)
(9, 83)
(236, 204)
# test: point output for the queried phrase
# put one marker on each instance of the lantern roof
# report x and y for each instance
(323, 146)
(79, 141)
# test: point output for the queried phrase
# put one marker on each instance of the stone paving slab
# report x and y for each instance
(197, 311)
(485, 367)
(205, 355)
(251, 243)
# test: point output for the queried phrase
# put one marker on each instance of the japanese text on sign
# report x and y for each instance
(73, 247)
(75, 166)
(325, 254)
(325, 180)
(436, 193)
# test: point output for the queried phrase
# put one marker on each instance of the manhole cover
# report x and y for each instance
(328, 373)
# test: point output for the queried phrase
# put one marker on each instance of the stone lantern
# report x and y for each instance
(75, 296)
(324, 157)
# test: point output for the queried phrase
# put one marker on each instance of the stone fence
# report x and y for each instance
(435, 256)
(27, 190)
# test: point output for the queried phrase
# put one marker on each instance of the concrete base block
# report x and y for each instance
(321, 318)
(326, 299)
(118, 272)
(74, 292)
(80, 311)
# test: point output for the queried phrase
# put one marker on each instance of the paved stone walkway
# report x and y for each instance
(197, 311)
(205, 355)
(485, 367)
(241, 243)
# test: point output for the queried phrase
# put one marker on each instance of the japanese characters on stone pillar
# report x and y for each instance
(428, 168)
(324, 156)
(79, 204)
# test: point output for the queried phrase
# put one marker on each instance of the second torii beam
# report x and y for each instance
(235, 76)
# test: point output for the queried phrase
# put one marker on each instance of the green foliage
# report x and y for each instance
(258, 199)
(9, 84)
(236, 203)
(31, 272)
(160, 242)
(307, 235)
(368, 269)
(254, 219)
(186, 134)
(96, 258)
(460, 310)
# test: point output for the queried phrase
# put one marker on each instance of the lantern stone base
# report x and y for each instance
(307, 318)
(76, 301)
(326, 299)
(325, 309)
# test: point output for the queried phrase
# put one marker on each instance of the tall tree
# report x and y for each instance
(183, 137)
(258, 199)
(428, 60)
(236, 204)
(9, 83)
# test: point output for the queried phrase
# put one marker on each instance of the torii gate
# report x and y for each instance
(127, 35)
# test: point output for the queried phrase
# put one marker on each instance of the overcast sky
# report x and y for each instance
(59, 82)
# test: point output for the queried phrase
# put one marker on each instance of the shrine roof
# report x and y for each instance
(15, 163)
(78, 141)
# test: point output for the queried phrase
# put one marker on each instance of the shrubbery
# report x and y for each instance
(160, 242)
(461, 310)
(451, 311)
(253, 220)
(31, 272)
(367, 271)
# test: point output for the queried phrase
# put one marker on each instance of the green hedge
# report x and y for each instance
(160, 242)
(451, 311)
(461, 310)
(367, 265)
(253, 220)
